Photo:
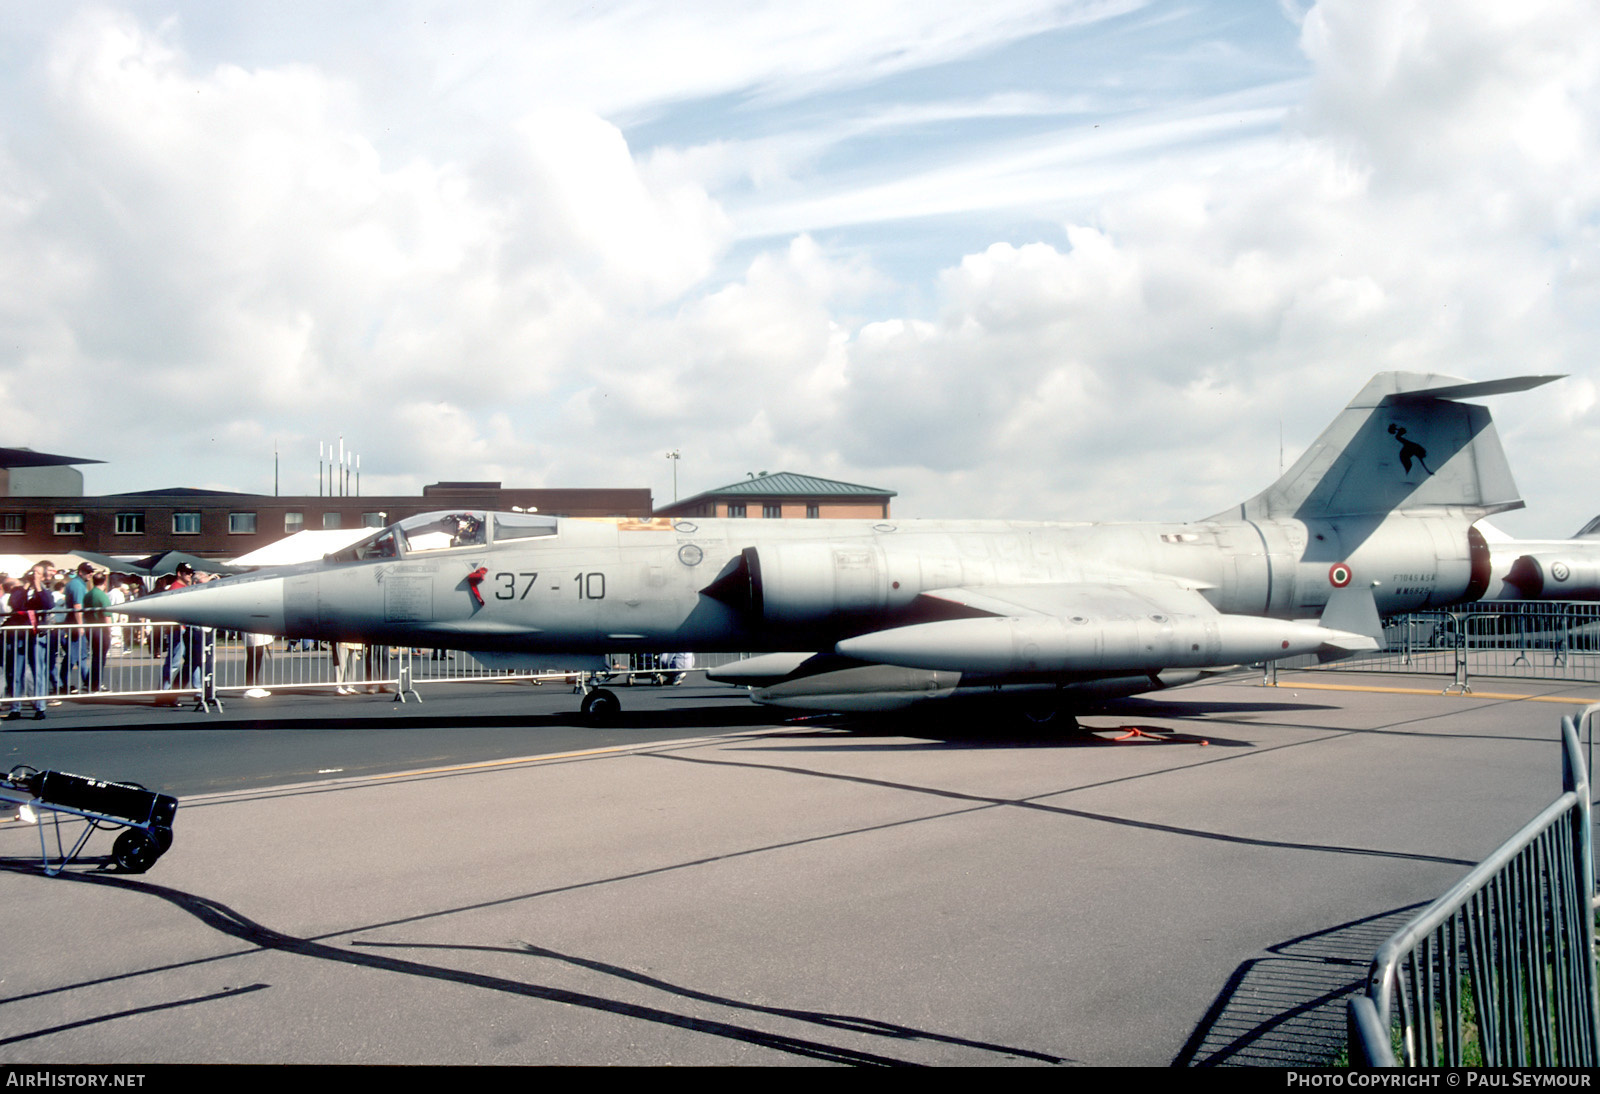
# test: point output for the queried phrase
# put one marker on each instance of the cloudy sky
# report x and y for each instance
(1094, 259)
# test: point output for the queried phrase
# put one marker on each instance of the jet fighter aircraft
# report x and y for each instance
(1375, 518)
(1544, 569)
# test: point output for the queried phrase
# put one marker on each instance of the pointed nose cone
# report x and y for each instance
(241, 604)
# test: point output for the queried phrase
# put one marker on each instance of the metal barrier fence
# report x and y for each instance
(1551, 640)
(1531, 639)
(55, 662)
(1500, 971)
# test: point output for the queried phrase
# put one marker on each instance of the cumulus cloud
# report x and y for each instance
(228, 244)
(1404, 222)
(507, 243)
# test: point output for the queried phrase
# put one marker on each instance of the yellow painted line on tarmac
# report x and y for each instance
(1436, 691)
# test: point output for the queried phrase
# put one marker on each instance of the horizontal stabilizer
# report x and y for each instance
(1480, 389)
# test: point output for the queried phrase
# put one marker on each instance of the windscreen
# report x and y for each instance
(442, 531)
(445, 531)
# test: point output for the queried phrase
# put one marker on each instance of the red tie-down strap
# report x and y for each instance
(474, 579)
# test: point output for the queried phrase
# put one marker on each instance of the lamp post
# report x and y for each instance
(674, 457)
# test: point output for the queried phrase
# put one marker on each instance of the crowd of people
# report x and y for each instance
(60, 627)
(56, 642)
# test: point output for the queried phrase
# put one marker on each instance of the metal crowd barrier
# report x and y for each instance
(1550, 640)
(56, 662)
(1529, 639)
(1500, 971)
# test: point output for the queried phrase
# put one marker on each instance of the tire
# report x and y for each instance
(600, 706)
(1048, 717)
(135, 851)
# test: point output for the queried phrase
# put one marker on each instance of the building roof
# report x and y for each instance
(794, 485)
(27, 457)
(788, 484)
(182, 492)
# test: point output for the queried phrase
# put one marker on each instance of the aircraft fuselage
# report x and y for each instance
(602, 586)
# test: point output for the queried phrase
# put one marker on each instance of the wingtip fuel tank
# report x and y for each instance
(1053, 645)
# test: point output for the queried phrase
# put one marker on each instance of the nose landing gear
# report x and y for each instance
(600, 706)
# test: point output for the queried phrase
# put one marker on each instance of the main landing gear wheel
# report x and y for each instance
(600, 706)
(1050, 717)
(135, 851)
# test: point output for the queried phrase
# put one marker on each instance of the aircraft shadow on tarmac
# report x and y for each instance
(976, 728)
(859, 737)
(1119, 723)
(1288, 1010)
(1199, 708)
(224, 920)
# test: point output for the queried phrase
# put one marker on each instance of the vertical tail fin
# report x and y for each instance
(1404, 443)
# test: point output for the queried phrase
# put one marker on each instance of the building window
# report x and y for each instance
(813, 512)
(331, 520)
(12, 524)
(186, 524)
(241, 524)
(374, 520)
(69, 524)
(772, 512)
(293, 522)
(130, 524)
(735, 509)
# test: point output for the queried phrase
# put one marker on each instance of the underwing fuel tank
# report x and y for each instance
(823, 681)
(859, 688)
(1050, 644)
(826, 683)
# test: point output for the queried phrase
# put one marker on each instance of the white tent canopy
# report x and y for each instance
(304, 546)
(17, 565)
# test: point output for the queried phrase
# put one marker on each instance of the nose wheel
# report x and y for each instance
(600, 706)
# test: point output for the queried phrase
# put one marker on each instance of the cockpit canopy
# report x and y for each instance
(445, 531)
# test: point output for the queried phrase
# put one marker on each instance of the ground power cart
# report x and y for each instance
(144, 816)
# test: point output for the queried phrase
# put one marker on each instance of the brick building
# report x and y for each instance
(786, 495)
(44, 513)
(219, 524)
